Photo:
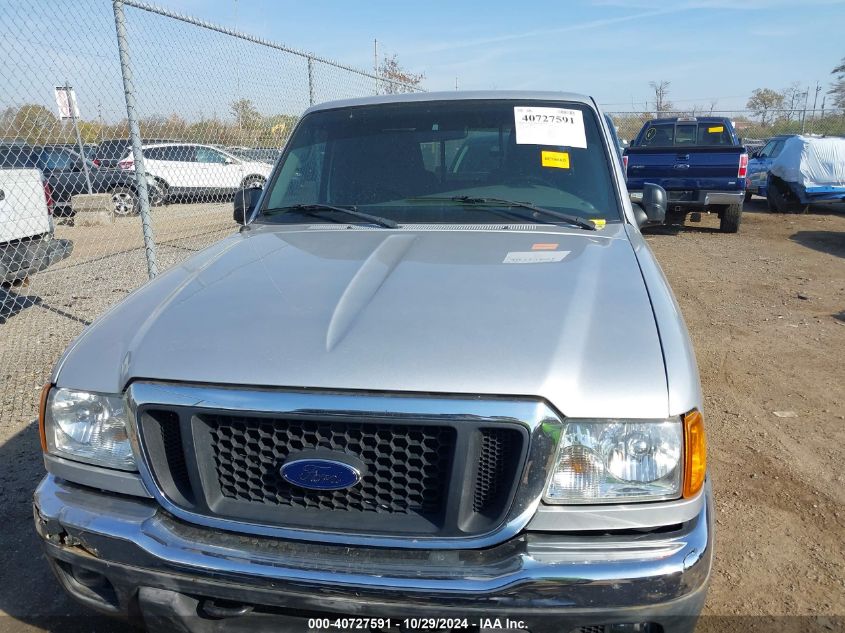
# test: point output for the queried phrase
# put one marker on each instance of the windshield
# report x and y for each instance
(686, 133)
(407, 161)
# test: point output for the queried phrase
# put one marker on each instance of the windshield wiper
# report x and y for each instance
(314, 208)
(502, 202)
(566, 217)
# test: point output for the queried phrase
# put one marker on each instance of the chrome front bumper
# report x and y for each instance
(123, 555)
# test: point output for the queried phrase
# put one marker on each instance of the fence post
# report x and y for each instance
(310, 81)
(135, 136)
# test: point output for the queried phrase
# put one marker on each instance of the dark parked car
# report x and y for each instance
(64, 172)
(89, 149)
(760, 163)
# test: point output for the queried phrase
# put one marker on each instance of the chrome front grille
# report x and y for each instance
(446, 472)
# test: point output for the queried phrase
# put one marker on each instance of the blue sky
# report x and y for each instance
(708, 49)
(608, 48)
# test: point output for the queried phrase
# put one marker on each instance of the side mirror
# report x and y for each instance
(228, 161)
(652, 207)
(245, 202)
(755, 155)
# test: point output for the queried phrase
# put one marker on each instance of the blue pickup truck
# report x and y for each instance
(700, 162)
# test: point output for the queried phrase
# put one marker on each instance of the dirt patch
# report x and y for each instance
(765, 312)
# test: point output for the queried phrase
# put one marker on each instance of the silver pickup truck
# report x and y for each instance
(436, 381)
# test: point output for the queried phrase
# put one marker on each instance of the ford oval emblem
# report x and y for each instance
(320, 474)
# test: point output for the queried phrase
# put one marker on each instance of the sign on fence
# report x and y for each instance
(66, 100)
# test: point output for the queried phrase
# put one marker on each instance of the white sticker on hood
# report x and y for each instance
(534, 257)
(549, 126)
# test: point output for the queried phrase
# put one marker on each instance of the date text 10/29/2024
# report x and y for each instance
(413, 624)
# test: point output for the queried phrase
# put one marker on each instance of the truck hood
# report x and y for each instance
(558, 314)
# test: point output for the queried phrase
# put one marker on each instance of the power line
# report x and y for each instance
(648, 99)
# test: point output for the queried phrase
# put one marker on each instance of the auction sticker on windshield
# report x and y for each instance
(549, 126)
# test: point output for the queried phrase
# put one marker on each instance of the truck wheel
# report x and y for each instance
(124, 201)
(731, 218)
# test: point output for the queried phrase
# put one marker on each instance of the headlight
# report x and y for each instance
(87, 427)
(614, 461)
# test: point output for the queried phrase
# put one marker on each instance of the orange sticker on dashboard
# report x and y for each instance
(559, 160)
(540, 246)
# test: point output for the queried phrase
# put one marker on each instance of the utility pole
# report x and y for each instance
(71, 99)
(815, 101)
(804, 113)
(456, 83)
(375, 62)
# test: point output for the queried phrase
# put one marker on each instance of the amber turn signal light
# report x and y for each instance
(42, 410)
(695, 453)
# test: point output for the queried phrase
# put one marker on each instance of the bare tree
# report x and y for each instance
(763, 101)
(397, 79)
(661, 96)
(793, 96)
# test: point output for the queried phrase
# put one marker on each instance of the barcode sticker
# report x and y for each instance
(549, 126)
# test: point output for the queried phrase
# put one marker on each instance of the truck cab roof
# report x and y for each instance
(469, 95)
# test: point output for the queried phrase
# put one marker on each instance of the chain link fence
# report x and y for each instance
(85, 217)
(753, 127)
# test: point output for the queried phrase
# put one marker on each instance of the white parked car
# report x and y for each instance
(27, 245)
(183, 169)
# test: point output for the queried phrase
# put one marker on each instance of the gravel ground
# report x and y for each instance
(766, 311)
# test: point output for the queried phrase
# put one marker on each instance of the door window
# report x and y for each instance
(156, 153)
(56, 159)
(767, 150)
(181, 153)
(777, 148)
(209, 155)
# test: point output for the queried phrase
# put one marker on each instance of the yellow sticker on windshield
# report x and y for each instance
(555, 159)
(599, 223)
(715, 129)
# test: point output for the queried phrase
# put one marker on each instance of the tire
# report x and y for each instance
(748, 196)
(124, 202)
(675, 219)
(158, 192)
(782, 198)
(770, 201)
(730, 219)
(253, 182)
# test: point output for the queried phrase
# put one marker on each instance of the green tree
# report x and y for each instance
(30, 122)
(838, 87)
(763, 101)
(246, 116)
